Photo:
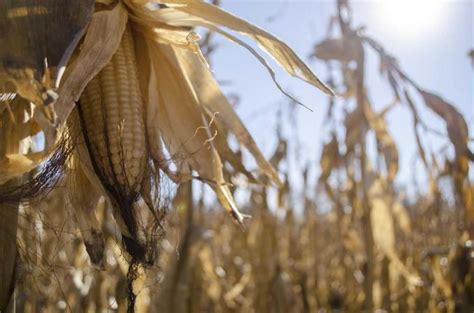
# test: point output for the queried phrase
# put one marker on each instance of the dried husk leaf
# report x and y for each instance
(88, 174)
(174, 104)
(148, 84)
(212, 98)
(100, 43)
(84, 197)
(190, 144)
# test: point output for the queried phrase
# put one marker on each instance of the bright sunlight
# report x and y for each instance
(410, 17)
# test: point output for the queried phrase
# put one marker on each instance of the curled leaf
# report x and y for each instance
(458, 131)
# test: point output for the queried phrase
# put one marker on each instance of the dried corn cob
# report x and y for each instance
(112, 121)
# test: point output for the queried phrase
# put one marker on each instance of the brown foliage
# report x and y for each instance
(358, 244)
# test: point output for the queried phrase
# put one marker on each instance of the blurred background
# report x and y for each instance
(376, 210)
(430, 39)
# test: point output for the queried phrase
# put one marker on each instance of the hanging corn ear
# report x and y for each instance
(112, 121)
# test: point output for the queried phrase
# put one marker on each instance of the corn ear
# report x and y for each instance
(112, 122)
(111, 109)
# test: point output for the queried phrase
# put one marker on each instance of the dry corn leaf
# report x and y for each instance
(458, 131)
(416, 121)
(212, 17)
(344, 49)
(456, 125)
(195, 13)
(387, 66)
(223, 192)
(394, 85)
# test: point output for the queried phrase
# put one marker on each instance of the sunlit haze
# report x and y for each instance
(411, 18)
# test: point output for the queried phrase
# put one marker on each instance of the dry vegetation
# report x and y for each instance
(358, 245)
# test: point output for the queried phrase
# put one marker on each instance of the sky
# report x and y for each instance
(430, 38)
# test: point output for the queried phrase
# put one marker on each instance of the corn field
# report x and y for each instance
(121, 157)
